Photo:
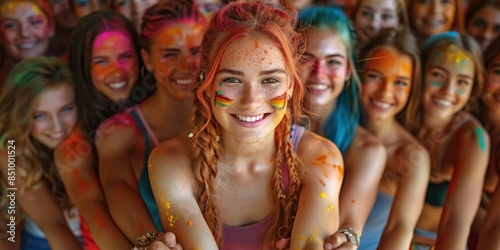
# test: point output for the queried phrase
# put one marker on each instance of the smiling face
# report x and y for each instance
(114, 66)
(431, 17)
(491, 97)
(24, 30)
(174, 57)
(325, 66)
(133, 9)
(251, 88)
(387, 79)
(54, 115)
(484, 25)
(448, 79)
(374, 15)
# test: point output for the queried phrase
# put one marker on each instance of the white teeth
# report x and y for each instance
(442, 102)
(433, 22)
(117, 85)
(28, 45)
(184, 81)
(250, 118)
(382, 105)
(318, 86)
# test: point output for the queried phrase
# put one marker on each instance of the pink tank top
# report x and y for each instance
(251, 237)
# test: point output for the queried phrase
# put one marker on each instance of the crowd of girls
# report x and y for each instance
(249, 124)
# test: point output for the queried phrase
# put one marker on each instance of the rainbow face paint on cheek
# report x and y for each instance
(461, 90)
(279, 102)
(222, 100)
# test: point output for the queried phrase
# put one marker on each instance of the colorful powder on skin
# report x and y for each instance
(257, 44)
(189, 223)
(329, 208)
(353, 201)
(279, 102)
(461, 90)
(321, 160)
(99, 218)
(322, 182)
(340, 169)
(480, 138)
(323, 195)
(436, 84)
(222, 100)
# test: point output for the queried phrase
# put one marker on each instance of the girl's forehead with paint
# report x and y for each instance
(179, 34)
(254, 51)
(452, 59)
(390, 62)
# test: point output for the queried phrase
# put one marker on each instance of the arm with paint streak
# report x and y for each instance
(413, 166)
(40, 205)
(471, 147)
(117, 146)
(174, 189)
(365, 162)
(75, 159)
(488, 236)
(318, 209)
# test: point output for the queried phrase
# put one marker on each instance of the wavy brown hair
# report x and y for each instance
(17, 99)
(236, 20)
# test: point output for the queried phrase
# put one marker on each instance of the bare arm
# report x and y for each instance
(317, 215)
(488, 236)
(77, 165)
(40, 205)
(172, 183)
(117, 144)
(365, 163)
(413, 166)
(464, 193)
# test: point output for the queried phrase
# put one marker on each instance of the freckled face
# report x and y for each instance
(324, 67)
(134, 9)
(431, 17)
(24, 30)
(114, 67)
(374, 15)
(54, 115)
(491, 97)
(173, 57)
(386, 83)
(448, 79)
(251, 77)
(484, 25)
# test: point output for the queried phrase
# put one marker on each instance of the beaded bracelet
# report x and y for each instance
(146, 239)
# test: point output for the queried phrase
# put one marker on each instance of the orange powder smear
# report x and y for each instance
(353, 201)
(321, 160)
(322, 182)
(339, 168)
(189, 223)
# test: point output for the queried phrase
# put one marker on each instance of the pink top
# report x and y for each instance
(252, 236)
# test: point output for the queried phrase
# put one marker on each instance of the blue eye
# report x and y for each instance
(68, 108)
(38, 116)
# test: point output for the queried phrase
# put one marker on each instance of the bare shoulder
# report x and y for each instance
(175, 152)
(472, 134)
(364, 143)
(119, 132)
(312, 146)
(411, 151)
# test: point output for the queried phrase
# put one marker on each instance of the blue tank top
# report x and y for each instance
(144, 183)
(375, 224)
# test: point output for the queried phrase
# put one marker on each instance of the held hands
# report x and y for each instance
(164, 241)
(335, 241)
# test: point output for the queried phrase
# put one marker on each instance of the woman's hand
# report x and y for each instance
(335, 241)
(164, 241)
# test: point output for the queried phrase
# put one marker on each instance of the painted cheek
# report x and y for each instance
(101, 72)
(279, 102)
(461, 90)
(435, 84)
(222, 100)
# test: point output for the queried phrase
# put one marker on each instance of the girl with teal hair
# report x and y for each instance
(331, 103)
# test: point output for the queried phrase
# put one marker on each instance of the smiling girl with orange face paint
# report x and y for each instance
(390, 69)
(456, 141)
(171, 42)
